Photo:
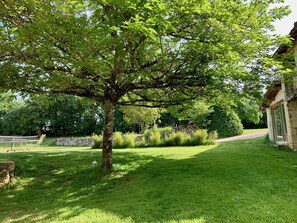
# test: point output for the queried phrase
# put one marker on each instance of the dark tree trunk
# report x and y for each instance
(109, 110)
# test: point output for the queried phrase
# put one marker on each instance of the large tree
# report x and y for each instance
(133, 52)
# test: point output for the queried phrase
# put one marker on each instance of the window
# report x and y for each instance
(279, 123)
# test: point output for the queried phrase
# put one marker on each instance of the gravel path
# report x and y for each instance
(244, 137)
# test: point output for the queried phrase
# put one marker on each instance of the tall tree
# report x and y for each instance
(133, 52)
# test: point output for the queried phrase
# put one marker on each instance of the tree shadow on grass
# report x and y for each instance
(219, 185)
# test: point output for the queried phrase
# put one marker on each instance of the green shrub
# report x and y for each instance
(225, 122)
(199, 137)
(140, 141)
(187, 141)
(213, 136)
(118, 141)
(155, 139)
(98, 141)
(141, 144)
(176, 139)
(165, 132)
(129, 140)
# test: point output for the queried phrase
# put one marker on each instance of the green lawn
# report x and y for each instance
(230, 182)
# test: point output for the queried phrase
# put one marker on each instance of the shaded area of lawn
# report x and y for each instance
(232, 182)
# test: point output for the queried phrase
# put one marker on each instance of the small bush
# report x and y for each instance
(176, 139)
(187, 141)
(118, 141)
(213, 136)
(140, 141)
(129, 140)
(141, 144)
(98, 141)
(155, 138)
(199, 137)
(165, 132)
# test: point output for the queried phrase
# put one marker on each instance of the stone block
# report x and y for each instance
(4, 177)
(7, 165)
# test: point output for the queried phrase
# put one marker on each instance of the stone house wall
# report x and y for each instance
(290, 105)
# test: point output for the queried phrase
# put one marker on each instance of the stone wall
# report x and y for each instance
(292, 110)
(85, 141)
(292, 125)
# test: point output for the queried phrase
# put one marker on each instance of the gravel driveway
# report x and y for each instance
(244, 137)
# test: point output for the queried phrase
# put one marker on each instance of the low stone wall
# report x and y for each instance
(86, 141)
(6, 172)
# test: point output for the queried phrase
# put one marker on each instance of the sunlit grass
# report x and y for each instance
(239, 181)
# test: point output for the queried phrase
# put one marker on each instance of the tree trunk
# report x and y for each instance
(109, 110)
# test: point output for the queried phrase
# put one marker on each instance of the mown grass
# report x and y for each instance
(230, 182)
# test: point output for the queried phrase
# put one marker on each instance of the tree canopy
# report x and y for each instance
(55, 115)
(134, 52)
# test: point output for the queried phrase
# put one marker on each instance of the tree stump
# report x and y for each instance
(6, 172)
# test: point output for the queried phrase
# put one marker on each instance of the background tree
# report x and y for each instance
(145, 53)
(141, 116)
(54, 115)
(195, 113)
(167, 119)
(8, 102)
(248, 110)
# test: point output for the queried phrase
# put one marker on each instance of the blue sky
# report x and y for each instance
(285, 25)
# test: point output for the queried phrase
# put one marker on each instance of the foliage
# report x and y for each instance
(261, 124)
(200, 137)
(164, 132)
(98, 141)
(225, 121)
(118, 141)
(54, 115)
(141, 116)
(162, 137)
(141, 142)
(8, 101)
(155, 138)
(167, 119)
(175, 139)
(213, 136)
(120, 125)
(248, 110)
(129, 140)
(150, 53)
(195, 112)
